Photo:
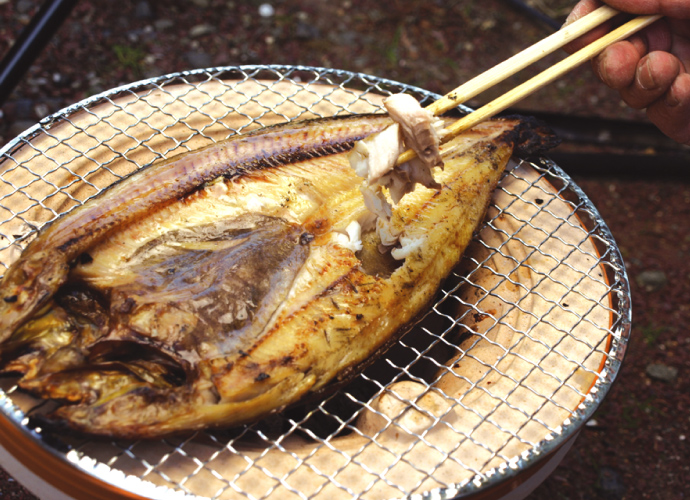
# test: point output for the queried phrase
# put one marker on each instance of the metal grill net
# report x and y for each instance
(521, 346)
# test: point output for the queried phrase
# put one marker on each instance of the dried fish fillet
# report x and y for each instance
(222, 285)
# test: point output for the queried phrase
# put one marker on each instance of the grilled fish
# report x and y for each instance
(216, 287)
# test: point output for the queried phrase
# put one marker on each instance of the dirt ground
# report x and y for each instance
(637, 444)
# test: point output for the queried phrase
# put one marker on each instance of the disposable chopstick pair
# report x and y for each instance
(528, 56)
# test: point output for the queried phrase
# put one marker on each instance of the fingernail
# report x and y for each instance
(644, 75)
(581, 9)
(572, 17)
(671, 99)
(601, 68)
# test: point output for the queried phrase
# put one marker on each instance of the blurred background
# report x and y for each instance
(637, 445)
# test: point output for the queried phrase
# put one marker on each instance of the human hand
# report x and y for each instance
(649, 70)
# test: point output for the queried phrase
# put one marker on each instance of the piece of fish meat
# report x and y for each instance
(419, 127)
(375, 159)
(216, 287)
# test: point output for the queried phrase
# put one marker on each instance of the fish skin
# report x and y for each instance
(134, 367)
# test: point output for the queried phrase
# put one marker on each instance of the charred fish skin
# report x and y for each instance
(156, 358)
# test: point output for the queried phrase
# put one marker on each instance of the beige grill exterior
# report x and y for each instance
(521, 347)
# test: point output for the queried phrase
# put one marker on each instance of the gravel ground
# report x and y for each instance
(636, 446)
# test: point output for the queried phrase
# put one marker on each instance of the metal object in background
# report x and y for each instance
(535, 14)
(30, 43)
(481, 400)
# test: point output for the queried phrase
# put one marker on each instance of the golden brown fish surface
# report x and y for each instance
(216, 287)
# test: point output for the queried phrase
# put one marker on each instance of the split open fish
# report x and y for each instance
(216, 287)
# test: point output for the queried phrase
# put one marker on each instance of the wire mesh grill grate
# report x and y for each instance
(521, 346)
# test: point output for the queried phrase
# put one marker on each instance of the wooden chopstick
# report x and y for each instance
(520, 61)
(529, 87)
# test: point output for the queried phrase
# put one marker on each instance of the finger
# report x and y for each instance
(616, 66)
(671, 113)
(658, 36)
(672, 8)
(681, 49)
(653, 77)
(580, 10)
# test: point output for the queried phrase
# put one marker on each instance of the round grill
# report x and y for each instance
(522, 345)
